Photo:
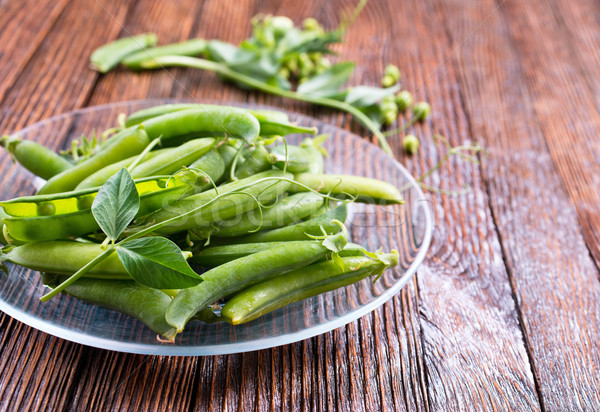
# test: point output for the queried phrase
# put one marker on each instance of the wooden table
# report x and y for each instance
(505, 312)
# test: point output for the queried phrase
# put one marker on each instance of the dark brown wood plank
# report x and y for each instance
(57, 78)
(559, 96)
(473, 356)
(550, 269)
(24, 26)
(569, 121)
(578, 23)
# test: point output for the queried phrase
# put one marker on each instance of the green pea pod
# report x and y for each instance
(289, 210)
(3, 239)
(217, 255)
(298, 231)
(234, 122)
(266, 186)
(36, 158)
(213, 165)
(276, 128)
(239, 274)
(146, 304)
(192, 47)
(359, 188)
(173, 160)
(132, 143)
(295, 160)
(72, 215)
(301, 284)
(65, 257)
(316, 152)
(257, 161)
(98, 178)
(228, 153)
(154, 111)
(271, 122)
(108, 56)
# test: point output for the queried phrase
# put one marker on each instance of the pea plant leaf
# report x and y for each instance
(327, 84)
(158, 263)
(257, 64)
(116, 204)
(364, 96)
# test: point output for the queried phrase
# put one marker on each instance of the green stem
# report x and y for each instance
(144, 153)
(402, 128)
(78, 274)
(197, 63)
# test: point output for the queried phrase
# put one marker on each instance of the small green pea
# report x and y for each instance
(281, 24)
(305, 61)
(310, 23)
(393, 72)
(322, 65)
(388, 100)
(389, 116)
(315, 56)
(421, 111)
(389, 110)
(404, 100)
(85, 202)
(284, 72)
(387, 81)
(46, 209)
(388, 105)
(292, 64)
(411, 144)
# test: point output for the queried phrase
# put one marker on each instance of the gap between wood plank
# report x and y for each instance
(524, 336)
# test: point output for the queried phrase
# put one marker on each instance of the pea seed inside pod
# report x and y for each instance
(46, 209)
(85, 202)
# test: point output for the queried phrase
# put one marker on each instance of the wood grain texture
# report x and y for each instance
(465, 271)
(558, 97)
(504, 313)
(554, 279)
(22, 32)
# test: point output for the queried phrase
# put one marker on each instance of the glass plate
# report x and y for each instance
(406, 228)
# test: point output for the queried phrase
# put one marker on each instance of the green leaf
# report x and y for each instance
(335, 243)
(363, 96)
(309, 42)
(158, 263)
(327, 83)
(220, 51)
(258, 64)
(116, 204)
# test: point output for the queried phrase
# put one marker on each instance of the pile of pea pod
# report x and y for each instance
(266, 245)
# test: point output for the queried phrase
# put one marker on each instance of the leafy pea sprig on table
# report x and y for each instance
(138, 268)
(277, 59)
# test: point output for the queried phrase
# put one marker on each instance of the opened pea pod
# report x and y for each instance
(69, 214)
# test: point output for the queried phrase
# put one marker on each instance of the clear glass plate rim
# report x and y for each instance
(169, 349)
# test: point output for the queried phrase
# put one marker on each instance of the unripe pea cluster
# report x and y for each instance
(304, 65)
(391, 106)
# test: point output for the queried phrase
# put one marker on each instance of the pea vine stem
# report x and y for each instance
(197, 63)
(78, 274)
